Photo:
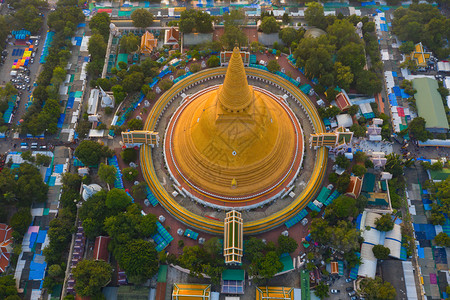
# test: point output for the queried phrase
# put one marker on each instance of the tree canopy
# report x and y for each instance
(99, 23)
(142, 18)
(314, 15)
(286, 244)
(195, 21)
(107, 173)
(377, 289)
(269, 25)
(442, 240)
(417, 130)
(385, 223)
(90, 153)
(117, 200)
(139, 260)
(381, 252)
(90, 276)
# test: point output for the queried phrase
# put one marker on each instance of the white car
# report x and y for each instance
(36, 42)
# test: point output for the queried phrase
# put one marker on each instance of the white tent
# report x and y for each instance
(344, 120)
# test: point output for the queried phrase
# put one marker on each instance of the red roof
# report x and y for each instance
(172, 35)
(342, 101)
(101, 248)
(354, 188)
(5, 246)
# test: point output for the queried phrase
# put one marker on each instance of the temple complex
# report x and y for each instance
(234, 144)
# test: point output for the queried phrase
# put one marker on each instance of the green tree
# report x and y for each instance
(322, 290)
(417, 129)
(28, 156)
(139, 259)
(343, 182)
(359, 170)
(314, 15)
(381, 252)
(129, 43)
(342, 208)
(407, 47)
(130, 174)
(28, 18)
(343, 75)
(7, 287)
(358, 130)
(142, 18)
(367, 82)
(32, 187)
(269, 25)
(99, 23)
(352, 55)
(342, 161)
(213, 61)
(289, 35)
(195, 67)
(135, 124)
(394, 164)
(203, 21)
(129, 155)
(97, 47)
(286, 244)
(377, 289)
(118, 93)
(92, 213)
(90, 276)
(233, 35)
(442, 239)
(133, 82)
(273, 66)
(385, 223)
(42, 159)
(107, 173)
(187, 21)
(90, 152)
(60, 234)
(234, 17)
(20, 222)
(139, 190)
(117, 200)
(270, 265)
(165, 84)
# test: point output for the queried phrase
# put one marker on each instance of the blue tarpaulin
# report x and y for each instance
(61, 120)
(41, 236)
(368, 3)
(70, 102)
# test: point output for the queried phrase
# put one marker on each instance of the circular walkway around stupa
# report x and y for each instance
(202, 222)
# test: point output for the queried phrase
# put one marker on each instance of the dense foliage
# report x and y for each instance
(337, 58)
(423, 23)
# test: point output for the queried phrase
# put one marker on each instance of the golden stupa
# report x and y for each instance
(233, 141)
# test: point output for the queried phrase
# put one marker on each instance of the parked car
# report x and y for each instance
(333, 291)
(349, 289)
(36, 43)
(352, 293)
(354, 298)
(348, 280)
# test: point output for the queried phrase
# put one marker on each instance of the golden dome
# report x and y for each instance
(233, 141)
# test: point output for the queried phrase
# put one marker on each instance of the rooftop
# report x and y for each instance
(429, 103)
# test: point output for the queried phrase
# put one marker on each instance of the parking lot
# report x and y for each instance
(25, 77)
(341, 285)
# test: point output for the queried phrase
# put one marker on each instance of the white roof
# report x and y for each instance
(393, 241)
(344, 120)
(94, 133)
(443, 66)
(365, 108)
(368, 267)
(408, 274)
(93, 102)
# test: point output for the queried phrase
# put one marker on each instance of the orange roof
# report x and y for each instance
(342, 101)
(334, 267)
(172, 36)
(148, 42)
(5, 248)
(101, 248)
(354, 188)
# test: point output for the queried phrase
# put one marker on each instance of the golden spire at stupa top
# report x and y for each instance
(235, 94)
